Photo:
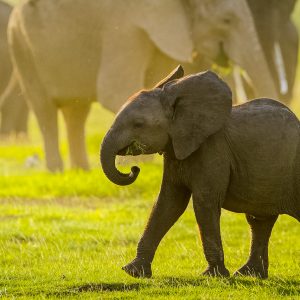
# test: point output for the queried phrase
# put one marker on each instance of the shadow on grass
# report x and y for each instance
(99, 287)
(284, 287)
(109, 287)
(279, 286)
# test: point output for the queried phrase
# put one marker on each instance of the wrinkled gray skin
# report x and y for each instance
(245, 159)
(13, 108)
(274, 25)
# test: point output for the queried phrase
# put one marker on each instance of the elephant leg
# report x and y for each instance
(34, 91)
(172, 202)
(7, 126)
(14, 110)
(208, 219)
(14, 119)
(258, 263)
(22, 124)
(75, 116)
(47, 120)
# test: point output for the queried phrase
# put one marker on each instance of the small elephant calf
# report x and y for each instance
(245, 159)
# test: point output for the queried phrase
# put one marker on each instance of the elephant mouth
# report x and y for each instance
(135, 148)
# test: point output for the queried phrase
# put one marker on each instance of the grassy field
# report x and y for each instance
(68, 235)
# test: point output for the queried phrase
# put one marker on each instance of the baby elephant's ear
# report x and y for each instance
(200, 105)
(175, 74)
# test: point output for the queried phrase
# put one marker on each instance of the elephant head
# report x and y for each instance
(180, 112)
(215, 29)
(225, 32)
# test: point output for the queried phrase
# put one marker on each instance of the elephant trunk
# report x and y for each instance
(280, 68)
(108, 153)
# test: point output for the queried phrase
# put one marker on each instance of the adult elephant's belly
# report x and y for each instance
(72, 78)
(66, 50)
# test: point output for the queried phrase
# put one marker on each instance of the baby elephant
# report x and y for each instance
(245, 159)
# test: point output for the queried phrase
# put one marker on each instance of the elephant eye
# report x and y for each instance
(138, 123)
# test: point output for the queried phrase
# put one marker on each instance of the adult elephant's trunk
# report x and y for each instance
(109, 150)
(244, 49)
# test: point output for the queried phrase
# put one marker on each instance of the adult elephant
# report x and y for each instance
(13, 108)
(70, 53)
(279, 39)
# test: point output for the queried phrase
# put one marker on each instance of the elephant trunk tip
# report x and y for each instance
(135, 172)
(133, 176)
(126, 179)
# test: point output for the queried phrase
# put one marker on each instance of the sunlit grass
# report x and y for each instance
(65, 248)
(67, 235)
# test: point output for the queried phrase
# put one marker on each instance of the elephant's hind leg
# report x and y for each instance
(75, 116)
(258, 263)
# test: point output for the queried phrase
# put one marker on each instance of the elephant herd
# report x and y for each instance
(63, 55)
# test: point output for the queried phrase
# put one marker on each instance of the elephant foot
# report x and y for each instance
(216, 271)
(138, 268)
(252, 270)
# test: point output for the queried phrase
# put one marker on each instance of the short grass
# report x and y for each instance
(68, 248)
(67, 235)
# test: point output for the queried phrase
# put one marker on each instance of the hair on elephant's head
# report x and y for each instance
(183, 111)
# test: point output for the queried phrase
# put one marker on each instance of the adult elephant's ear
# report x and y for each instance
(167, 25)
(198, 106)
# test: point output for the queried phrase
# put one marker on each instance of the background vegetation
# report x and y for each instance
(67, 235)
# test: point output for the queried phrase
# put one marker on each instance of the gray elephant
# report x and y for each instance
(13, 108)
(245, 159)
(70, 53)
(279, 40)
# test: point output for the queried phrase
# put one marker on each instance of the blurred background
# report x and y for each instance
(252, 45)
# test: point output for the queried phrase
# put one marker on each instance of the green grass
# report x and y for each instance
(73, 247)
(67, 235)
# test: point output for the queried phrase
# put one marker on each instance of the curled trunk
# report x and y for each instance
(108, 154)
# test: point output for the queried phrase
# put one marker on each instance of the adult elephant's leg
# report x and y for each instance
(34, 91)
(14, 110)
(8, 120)
(22, 124)
(172, 202)
(258, 263)
(14, 118)
(47, 119)
(208, 214)
(75, 116)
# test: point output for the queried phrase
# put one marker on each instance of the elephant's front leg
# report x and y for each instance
(208, 211)
(172, 202)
